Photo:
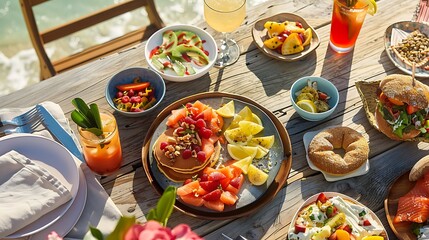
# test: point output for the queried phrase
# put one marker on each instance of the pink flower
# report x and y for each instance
(152, 230)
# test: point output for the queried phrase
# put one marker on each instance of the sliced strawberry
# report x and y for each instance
(213, 195)
(216, 176)
(322, 198)
(346, 228)
(209, 185)
(237, 182)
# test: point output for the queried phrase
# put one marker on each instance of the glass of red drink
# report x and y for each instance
(346, 24)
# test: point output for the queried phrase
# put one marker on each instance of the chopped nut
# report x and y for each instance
(171, 140)
(176, 153)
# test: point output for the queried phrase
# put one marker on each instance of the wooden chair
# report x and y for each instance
(50, 68)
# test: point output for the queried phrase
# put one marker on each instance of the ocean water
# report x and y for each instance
(19, 65)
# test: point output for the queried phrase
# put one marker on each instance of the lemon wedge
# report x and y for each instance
(308, 34)
(372, 6)
(249, 127)
(266, 142)
(238, 152)
(256, 176)
(307, 105)
(227, 110)
(244, 114)
(256, 119)
(261, 152)
(372, 238)
(237, 136)
(243, 164)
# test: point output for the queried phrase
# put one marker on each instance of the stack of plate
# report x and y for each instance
(59, 162)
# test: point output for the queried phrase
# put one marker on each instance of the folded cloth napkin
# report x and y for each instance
(27, 192)
(99, 211)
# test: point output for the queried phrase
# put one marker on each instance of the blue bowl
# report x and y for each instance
(322, 85)
(127, 76)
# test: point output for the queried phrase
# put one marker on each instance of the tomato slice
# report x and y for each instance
(411, 109)
(133, 86)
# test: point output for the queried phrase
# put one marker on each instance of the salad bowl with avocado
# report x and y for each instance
(181, 53)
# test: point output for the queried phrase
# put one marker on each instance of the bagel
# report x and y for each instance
(321, 150)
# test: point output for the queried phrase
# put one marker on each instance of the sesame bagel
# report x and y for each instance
(321, 150)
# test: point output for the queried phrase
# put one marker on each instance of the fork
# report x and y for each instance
(20, 119)
(27, 128)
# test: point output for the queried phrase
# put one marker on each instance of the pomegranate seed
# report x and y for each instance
(163, 145)
(201, 156)
(125, 99)
(119, 94)
(187, 153)
(200, 123)
(298, 24)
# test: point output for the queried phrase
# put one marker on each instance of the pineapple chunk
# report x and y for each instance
(292, 44)
(274, 28)
(293, 28)
(273, 43)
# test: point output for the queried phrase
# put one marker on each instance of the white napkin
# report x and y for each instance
(100, 211)
(27, 192)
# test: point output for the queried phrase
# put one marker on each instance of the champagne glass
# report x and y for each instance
(225, 16)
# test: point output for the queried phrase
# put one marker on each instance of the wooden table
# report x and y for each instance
(266, 81)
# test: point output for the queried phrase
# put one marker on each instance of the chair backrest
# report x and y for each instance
(49, 68)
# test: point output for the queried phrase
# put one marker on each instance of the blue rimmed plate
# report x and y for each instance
(394, 34)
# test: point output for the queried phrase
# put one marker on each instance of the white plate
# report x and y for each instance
(53, 157)
(394, 34)
(313, 198)
(66, 223)
(330, 177)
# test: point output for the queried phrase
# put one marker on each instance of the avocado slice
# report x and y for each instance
(169, 41)
(189, 38)
(195, 53)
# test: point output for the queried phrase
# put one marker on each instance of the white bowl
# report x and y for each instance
(209, 45)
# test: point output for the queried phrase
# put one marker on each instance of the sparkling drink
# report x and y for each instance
(224, 15)
(346, 24)
(103, 154)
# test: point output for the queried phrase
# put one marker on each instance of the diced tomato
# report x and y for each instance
(396, 102)
(191, 199)
(209, 185)
(228, 198)
(213, 195)
(322, 198)
(188, 188)
(134, 86)
(237, 182)
(299, 228)
(176, 115)
(215, 205)
(346, 228)
(366, 222)
(154, 51)
(323, 96)
(410, 109)
(216, 176)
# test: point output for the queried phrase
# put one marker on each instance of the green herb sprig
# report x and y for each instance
(87, 117)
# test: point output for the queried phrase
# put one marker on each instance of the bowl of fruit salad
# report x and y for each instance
(136, 91)
(314, 98)
(181, 53)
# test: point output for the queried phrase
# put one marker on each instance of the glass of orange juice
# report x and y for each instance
(346, 23)
(103, 154)
(225, 16)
